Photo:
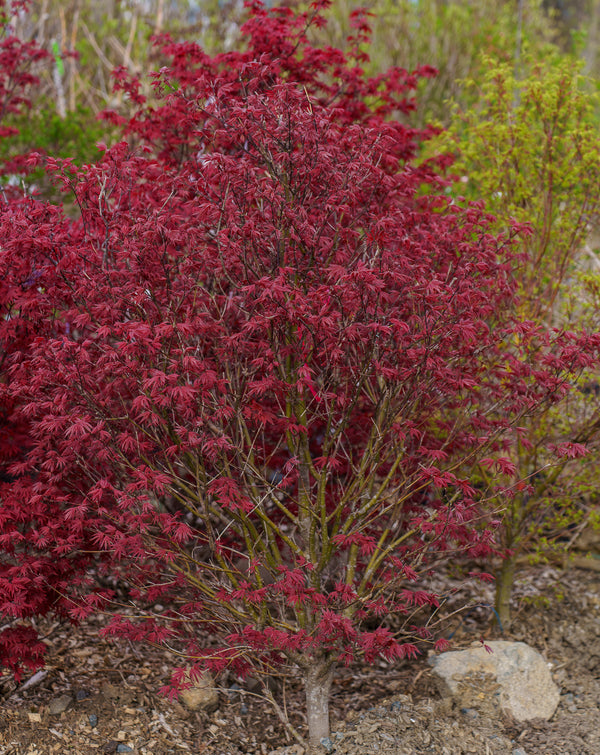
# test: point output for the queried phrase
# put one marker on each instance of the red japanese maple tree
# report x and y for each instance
(267, 346)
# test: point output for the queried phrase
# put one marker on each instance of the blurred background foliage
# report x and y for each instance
(89, 39)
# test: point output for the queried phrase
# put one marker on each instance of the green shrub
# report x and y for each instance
(530, 149)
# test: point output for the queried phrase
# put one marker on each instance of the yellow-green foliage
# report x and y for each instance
(530, 148)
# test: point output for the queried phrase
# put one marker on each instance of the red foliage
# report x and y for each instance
(29, 578)
(262, 355)
(17, 58)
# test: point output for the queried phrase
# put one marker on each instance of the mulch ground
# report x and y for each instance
(109, 691)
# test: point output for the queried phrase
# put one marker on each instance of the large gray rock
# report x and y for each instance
(513, 678)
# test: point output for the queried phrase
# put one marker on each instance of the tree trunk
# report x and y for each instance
(504, 585)
(317, 684)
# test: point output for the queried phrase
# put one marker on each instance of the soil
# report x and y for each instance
(109, 693)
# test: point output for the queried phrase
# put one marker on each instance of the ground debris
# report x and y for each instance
(387, 710)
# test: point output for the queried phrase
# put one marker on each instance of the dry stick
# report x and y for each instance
(159, 17)
(61, 105)
(287, 734)
(63, 26)
(283, 718)
(127, 52)
(34, 680)
(94, 44)
(72, 60)
(43, 15)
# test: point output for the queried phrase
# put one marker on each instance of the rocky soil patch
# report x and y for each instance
(100, 696)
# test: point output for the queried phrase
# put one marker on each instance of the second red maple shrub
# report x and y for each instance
(37, 570)
(271, 351)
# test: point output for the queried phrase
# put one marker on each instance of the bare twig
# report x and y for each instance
(33, 681)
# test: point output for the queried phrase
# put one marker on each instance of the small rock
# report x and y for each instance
(124, 748)
(523, 686)
(113, 692)
(110, 691)
(110, 747)
(327, 744)
(289, 750)
(202, 695)
(82, 694)
(180, 710)
(252, 684)
(93, 719)
(59, 705)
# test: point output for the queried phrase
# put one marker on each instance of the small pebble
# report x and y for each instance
(232, 691)
(81, 694)
(327, 744)
(93, 718)
(59, 705)
(124, 748)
